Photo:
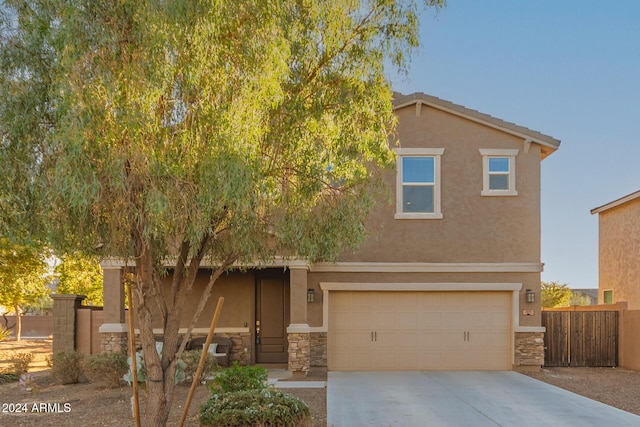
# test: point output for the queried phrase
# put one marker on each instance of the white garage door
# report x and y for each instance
(420, 330)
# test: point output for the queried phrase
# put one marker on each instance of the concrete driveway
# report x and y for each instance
(430, 398)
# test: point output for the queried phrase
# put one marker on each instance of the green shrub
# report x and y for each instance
(67, 367)
(192, 357)
(7, 377)
(263, 407)
(238, 378)
(141, 370)
(106, 368)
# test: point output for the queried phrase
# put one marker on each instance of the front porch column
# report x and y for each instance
(113, 329)
(298, 331)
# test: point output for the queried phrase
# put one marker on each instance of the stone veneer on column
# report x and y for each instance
(529, 350)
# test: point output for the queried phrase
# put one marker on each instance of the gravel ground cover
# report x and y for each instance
(614, 386)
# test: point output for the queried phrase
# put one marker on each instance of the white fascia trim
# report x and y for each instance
(426, 267)
(530, 329)
(200, 331)
(498, 193)
(409, 287)
(426, 151)
(291, 263)
(298, 328)
(113, 328)
(498, 152)
(403, 215)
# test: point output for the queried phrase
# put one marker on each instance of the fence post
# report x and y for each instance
(64, 321)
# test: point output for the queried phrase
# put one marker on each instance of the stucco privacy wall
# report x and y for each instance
(630, 346)
(474, 228)
(619, 253)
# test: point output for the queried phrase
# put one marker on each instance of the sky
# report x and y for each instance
(569, 69)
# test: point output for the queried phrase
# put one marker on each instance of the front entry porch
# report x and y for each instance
(264, 314)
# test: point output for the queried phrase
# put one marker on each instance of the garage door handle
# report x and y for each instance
(374, 336)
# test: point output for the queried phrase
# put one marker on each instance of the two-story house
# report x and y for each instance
(619, 251)
(449, 278)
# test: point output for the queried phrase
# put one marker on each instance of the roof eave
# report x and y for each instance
(547, 143)
(615, 203)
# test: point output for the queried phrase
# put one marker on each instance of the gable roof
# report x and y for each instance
(617, 202)
(548, 144)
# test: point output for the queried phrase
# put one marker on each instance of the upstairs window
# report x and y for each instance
(499, 172)
(418, 183)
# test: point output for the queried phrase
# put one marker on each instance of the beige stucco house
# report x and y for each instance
(619, 251)
(449, 278)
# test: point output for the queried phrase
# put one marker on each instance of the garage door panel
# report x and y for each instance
(420, 330)
(431, 319)
(453, 320)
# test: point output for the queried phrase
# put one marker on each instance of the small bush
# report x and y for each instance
(67, 367)
(192, 357)
(6, 377)
(141, 370)
(106, 368)
(20, 363)
(263, 407)
(238, 378)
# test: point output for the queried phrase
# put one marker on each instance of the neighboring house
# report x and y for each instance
(619, 251)
(448, 280)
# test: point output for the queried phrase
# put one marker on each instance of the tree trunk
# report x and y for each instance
(160, 369)
(18, 322)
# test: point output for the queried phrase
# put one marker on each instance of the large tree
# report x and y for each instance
(24, 275)
(80, 274)
(170, 131)
(555, 294)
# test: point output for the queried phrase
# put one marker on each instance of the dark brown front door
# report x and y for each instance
(272, 318)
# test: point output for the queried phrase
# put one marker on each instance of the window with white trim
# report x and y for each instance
(499, 172)
(418, 183)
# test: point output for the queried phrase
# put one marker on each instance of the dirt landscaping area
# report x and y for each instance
(614, 386)
(91, 405)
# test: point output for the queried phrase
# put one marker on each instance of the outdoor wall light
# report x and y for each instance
(311, 295)
(531, 296)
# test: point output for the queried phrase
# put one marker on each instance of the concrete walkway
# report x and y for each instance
(277, 375)
(430, 398)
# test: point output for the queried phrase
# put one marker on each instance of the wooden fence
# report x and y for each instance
(580, 338)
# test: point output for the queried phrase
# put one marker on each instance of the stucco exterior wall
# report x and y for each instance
(238, 289)
(619, 253)
(474, 228)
